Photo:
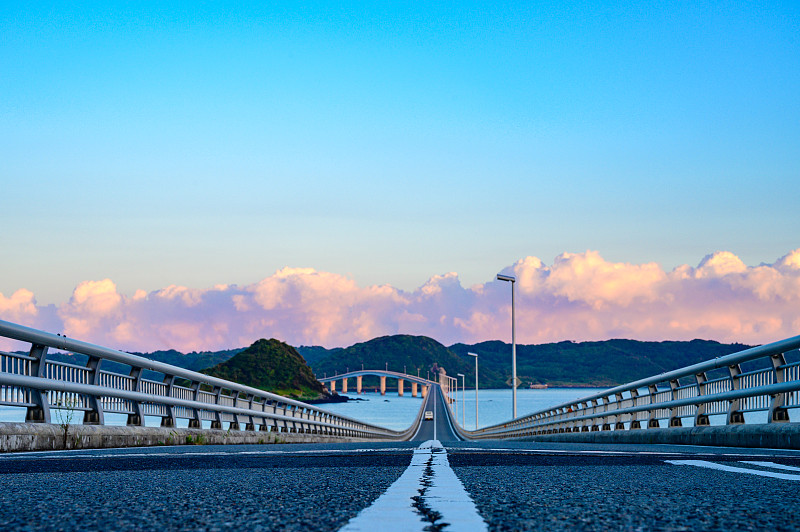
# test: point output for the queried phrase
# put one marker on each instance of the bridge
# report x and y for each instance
(606, 461)
(447, 383)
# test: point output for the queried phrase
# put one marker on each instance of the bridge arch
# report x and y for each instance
(401, 378)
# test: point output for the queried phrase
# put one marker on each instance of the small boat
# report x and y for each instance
(538, 386)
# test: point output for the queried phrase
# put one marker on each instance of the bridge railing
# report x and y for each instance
(718, 387)
(39, 384)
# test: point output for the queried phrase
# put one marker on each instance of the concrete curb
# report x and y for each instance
(772, 436)
(19, 437)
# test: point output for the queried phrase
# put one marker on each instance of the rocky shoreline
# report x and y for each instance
(332, 398)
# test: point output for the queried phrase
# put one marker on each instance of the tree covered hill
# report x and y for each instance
(604, 363)
(314, 353)
(395, 352)
(271, 365)
(194, 361)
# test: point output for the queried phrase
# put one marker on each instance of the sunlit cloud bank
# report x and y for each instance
(581, 296)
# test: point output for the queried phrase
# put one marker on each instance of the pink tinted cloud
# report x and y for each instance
(580, 296)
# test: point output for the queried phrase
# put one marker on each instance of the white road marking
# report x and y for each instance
(513, 450)
(772, 465)
(394, 510)
(733, 469)
(71, 454)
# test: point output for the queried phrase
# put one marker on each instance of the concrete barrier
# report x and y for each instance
(17, 437)
(772, 436)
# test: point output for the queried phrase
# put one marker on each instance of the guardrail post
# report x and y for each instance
(93, 416)
(216, 423)
(251, 425)
(652, 420)
(169, 419)
(595, 426)
(700, 416)
(234, 425)
(618, 425)
(606, 403)
(195, 421)
(674, 419)
(304, 414)
(41, 412)
(635, 416)
(735, 416)
(777, 411)
(137, 418)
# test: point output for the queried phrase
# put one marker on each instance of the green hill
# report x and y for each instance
(604, 363)
(395, 352)
(273, 366)
(313, 353)
(194, 361)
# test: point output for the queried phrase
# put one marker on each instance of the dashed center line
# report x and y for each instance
(427, 496)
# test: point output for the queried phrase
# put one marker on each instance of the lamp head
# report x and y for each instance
(501, 277)
(473, 355)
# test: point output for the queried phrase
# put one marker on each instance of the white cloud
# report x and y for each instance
(581, 296)
(20, 307)
(720, 264)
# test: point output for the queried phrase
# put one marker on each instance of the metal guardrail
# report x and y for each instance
(38, 383)
(716, 387)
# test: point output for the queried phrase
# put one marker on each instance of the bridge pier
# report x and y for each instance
(383, 385)
(424, 391)
(344, 385)
(413, 389)
(333, 386)
(400, 383)
(358, 384)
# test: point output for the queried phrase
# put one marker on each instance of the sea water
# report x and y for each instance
(390, 410)
(398, 413)
(494, 406)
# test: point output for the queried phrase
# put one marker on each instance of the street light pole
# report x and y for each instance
(512, 280)
(476, 388)
(463, 403)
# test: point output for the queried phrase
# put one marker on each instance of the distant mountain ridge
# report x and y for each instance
(599, 363)
(194, 361)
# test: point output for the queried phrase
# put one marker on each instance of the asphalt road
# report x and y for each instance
(415, 485)
(439, 428)
(322, 487)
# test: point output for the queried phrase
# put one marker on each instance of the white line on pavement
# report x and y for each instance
(732, 469)
(71, 454)
(772, 465)
(439, 489)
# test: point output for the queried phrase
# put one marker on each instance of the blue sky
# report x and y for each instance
(390, 142)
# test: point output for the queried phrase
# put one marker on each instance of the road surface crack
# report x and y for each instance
(420, 504)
